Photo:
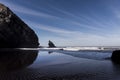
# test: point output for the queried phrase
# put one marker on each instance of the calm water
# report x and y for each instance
(69, 65)
(96, 64)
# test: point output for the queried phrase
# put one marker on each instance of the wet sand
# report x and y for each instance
(58, 66)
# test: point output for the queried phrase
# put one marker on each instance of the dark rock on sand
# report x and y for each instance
(14, 32)
(116, 56)
(51, 44)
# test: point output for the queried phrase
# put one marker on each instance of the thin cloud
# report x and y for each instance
(59, 31)
(84, 18)
(77, 38)
(28, 11)
(48, 28)
(116, 12)
(94, 22)
(86, 26)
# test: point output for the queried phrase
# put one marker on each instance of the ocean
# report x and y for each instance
(68, 64)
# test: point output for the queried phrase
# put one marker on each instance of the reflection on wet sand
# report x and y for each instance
(16, 59)
(55, 66)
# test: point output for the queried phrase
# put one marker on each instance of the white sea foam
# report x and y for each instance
(28, 48)
(75, 48)
(52, 48)
(82, 48)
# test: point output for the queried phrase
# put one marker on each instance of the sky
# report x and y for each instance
(71, 22)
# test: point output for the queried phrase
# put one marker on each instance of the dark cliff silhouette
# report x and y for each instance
(14, 32)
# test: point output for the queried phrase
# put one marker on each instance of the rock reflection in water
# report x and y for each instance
(11, 59)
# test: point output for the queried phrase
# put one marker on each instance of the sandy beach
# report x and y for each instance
(59, 66)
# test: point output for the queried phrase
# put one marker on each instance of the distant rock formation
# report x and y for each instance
(116, 56)
(51, 44)
(14, 33)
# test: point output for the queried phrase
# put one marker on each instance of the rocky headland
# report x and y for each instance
(14, 33)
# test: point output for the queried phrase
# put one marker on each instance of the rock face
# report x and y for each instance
(51, 44)
(14, 33)
(16, 59)
(116, 56)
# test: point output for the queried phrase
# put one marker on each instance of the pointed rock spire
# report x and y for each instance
(51, 44)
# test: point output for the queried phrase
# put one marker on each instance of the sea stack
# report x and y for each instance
(51, 44)
(116, 56)
(14, 33)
